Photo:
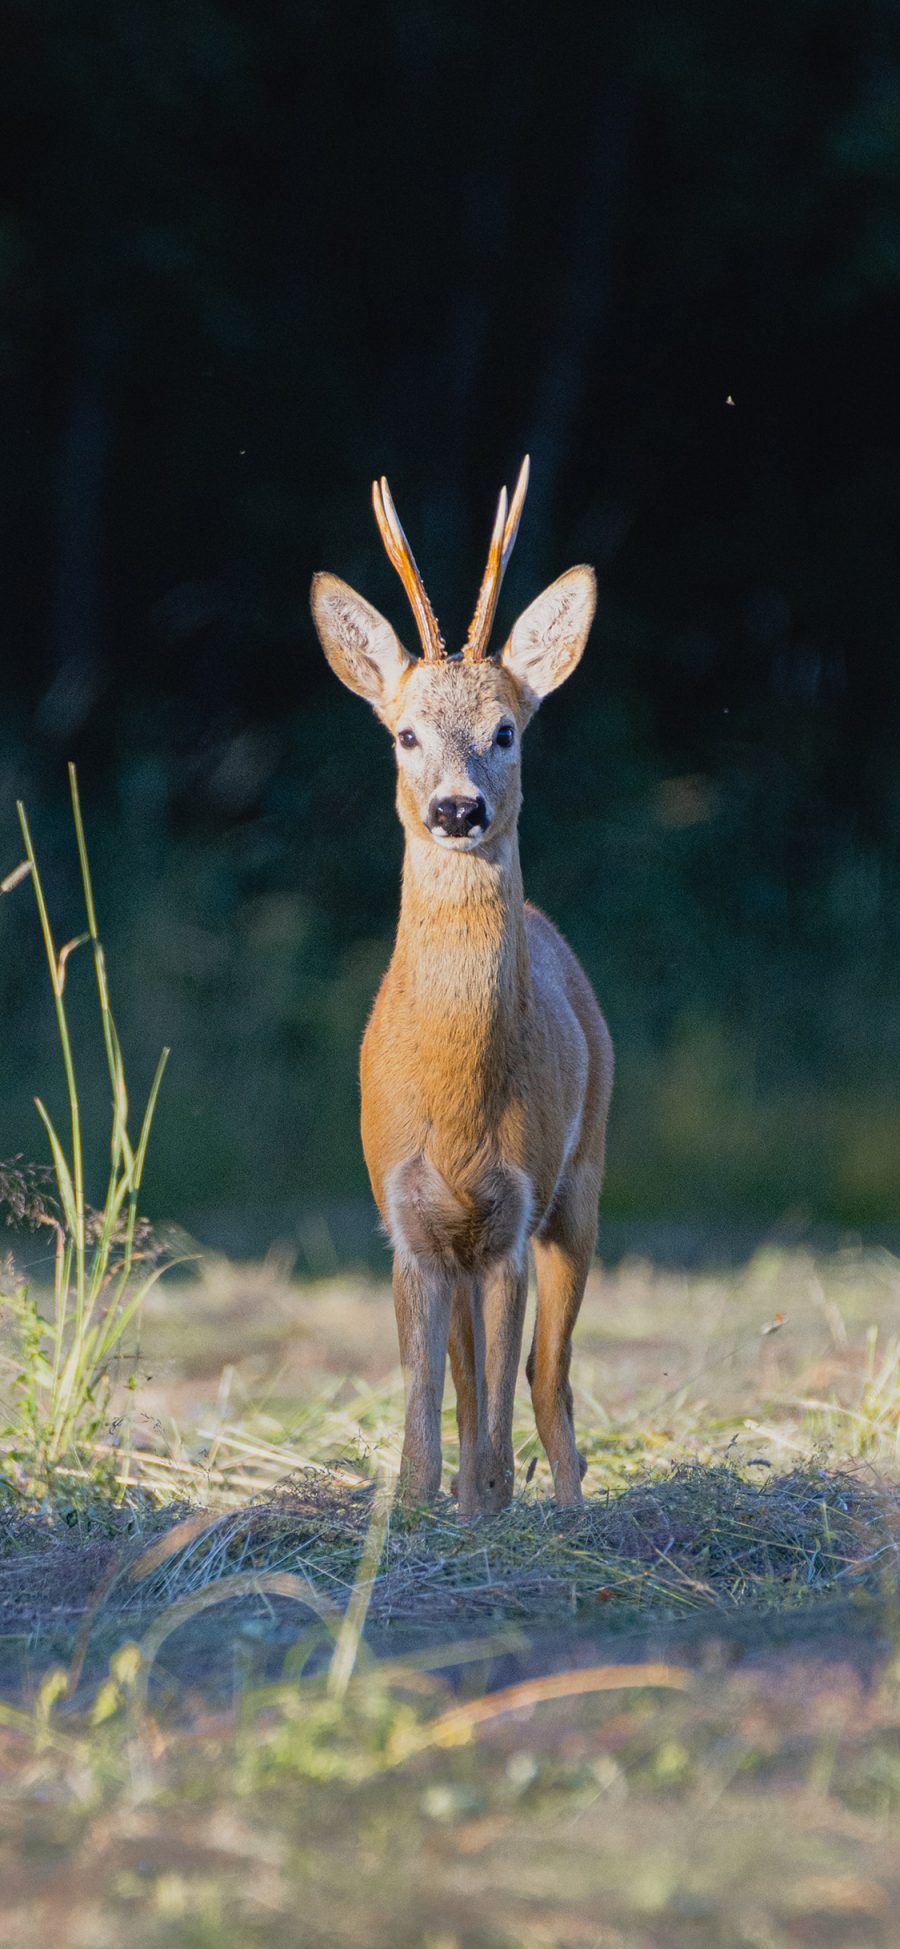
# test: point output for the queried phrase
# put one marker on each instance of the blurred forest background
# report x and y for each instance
(251, 255)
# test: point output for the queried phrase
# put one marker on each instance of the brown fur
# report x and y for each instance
(486, 1066)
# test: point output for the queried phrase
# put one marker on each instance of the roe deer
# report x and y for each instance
(486, 1066)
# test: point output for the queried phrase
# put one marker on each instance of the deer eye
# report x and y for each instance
(408, 739)
(505, 735)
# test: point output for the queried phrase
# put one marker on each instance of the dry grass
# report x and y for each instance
(683, 1541)
(244, 1378)
(742, 1430)
(671, 1721)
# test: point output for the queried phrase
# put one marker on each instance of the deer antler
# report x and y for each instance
(503, 541)
(400, 553)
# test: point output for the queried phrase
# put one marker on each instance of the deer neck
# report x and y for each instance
(462, 953)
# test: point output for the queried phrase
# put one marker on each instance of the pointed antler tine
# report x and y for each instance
(480, 627)
(395, 542)
(381, 518)
(503, 539)
(498, 535)
(392, 519)
(515, 509)
(491, 583)
(401, 556)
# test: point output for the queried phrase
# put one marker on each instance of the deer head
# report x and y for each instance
(456, 719)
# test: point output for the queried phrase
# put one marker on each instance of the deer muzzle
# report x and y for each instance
(458, 818)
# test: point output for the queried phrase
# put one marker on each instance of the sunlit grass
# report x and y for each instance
(788, 1357)
(866, 1424)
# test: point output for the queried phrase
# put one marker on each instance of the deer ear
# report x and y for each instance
(359, 643)
(548, 639)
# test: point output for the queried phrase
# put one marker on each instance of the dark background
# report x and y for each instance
(251, 256)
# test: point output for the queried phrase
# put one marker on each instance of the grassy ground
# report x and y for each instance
(294, 1717)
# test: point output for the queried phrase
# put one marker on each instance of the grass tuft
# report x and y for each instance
(60, 1367)
(692, 1539)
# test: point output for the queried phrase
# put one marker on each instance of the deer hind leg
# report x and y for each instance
(422, 1298)
(562, 1257)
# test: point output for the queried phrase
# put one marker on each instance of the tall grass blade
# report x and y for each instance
(60, 1166)
(148, 1117)
(77, 1172)
(349, 1639)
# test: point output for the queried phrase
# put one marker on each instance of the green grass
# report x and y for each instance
(58, 1366)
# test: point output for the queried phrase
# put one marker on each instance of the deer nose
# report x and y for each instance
(458, 817)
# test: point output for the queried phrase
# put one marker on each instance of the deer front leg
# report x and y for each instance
(422, 1304)
(561, 1263)
(462, 1367)
(486, 1471)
